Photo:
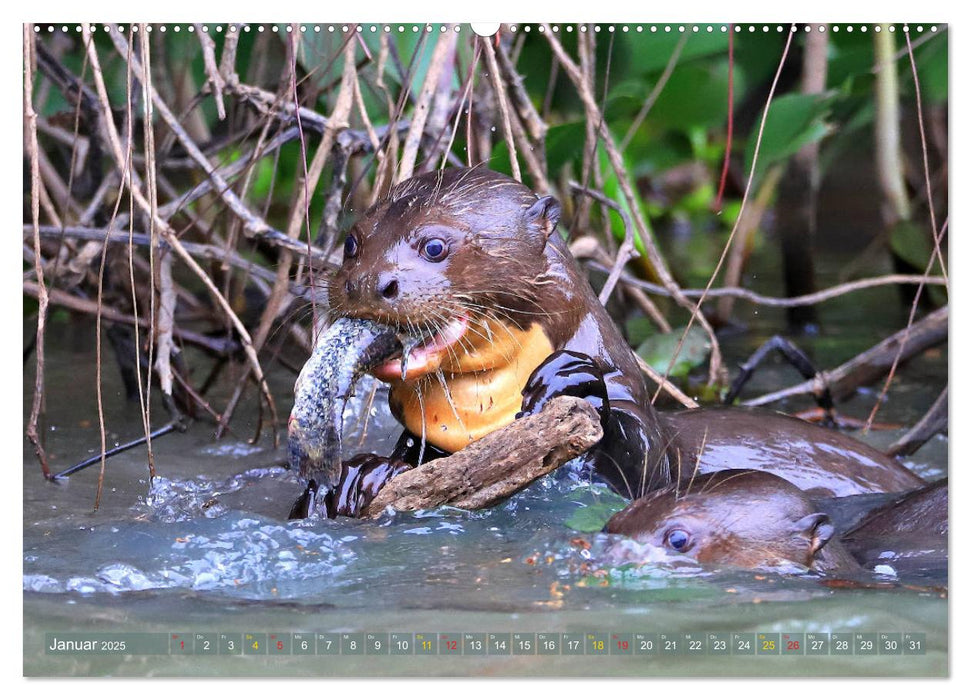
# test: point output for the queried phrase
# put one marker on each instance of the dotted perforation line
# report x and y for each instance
(428, 28)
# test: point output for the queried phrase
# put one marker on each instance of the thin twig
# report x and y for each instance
(782, 302)
(656, 91)
(163, 317)
(466, 96)
(443, 53)
(730, 125)
(623, 179)
(117, 449)
(923, 150)
(626, 250)
(227, 60)
(500, 93)
(665, 384)
(212, 71)
(30, 124)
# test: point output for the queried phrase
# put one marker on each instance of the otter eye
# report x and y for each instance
(434, 249)
(350, 246)
(678, 539)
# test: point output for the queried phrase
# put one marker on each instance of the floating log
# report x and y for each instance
(498, 465)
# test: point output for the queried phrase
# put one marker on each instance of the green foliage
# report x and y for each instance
(658, 350)
(850, 74)
(651, 51)
(561, 147)
(793, 122)
(914, 245)
(688, 100)
(932, 69)
(685, 128)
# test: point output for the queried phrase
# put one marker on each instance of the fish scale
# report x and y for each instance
(348, 349)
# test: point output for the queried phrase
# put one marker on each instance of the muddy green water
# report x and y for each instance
(206, 548)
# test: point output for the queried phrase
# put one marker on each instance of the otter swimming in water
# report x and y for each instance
(747, 519)
(737, 518)
(469, 262)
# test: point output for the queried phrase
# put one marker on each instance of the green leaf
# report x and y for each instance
(695, 97)
(658, 350)
(638, 330)
(593, 517)
(913, 244)
(850, 57)
(653, 151)
(650, 54)
(932, 69)
(793, 122)
(564, 144)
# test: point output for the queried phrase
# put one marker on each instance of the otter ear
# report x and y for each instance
(817, 528)
(543, 216)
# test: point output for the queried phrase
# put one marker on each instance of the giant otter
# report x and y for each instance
(738, 518)
(470, 260)
(749, 519)
(910, 532)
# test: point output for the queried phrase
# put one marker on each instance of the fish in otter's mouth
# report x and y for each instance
(348, 349)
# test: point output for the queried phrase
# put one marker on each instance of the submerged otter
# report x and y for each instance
(469, 260)
(910, 532)
(755, 520)
(738, 518)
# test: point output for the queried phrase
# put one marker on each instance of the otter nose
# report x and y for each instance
(388, 287)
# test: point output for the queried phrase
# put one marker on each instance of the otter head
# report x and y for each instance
(736, 518)
(445, 257)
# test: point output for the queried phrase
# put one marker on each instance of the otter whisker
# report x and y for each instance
(701, 451)
(424, 432)
(451, 403)
(620, 471)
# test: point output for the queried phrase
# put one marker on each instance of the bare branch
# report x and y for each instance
(30, 137)
(617, 163)
(524, 105)
(166, 231)
(500, 92)
(212, 71)
(626, 250)
(442, 55)
(871, 364)
(762, 300)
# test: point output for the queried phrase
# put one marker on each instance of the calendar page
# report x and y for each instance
(513, 349)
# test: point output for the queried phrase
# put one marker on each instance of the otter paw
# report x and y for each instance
(361, 479)
(565, 373)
